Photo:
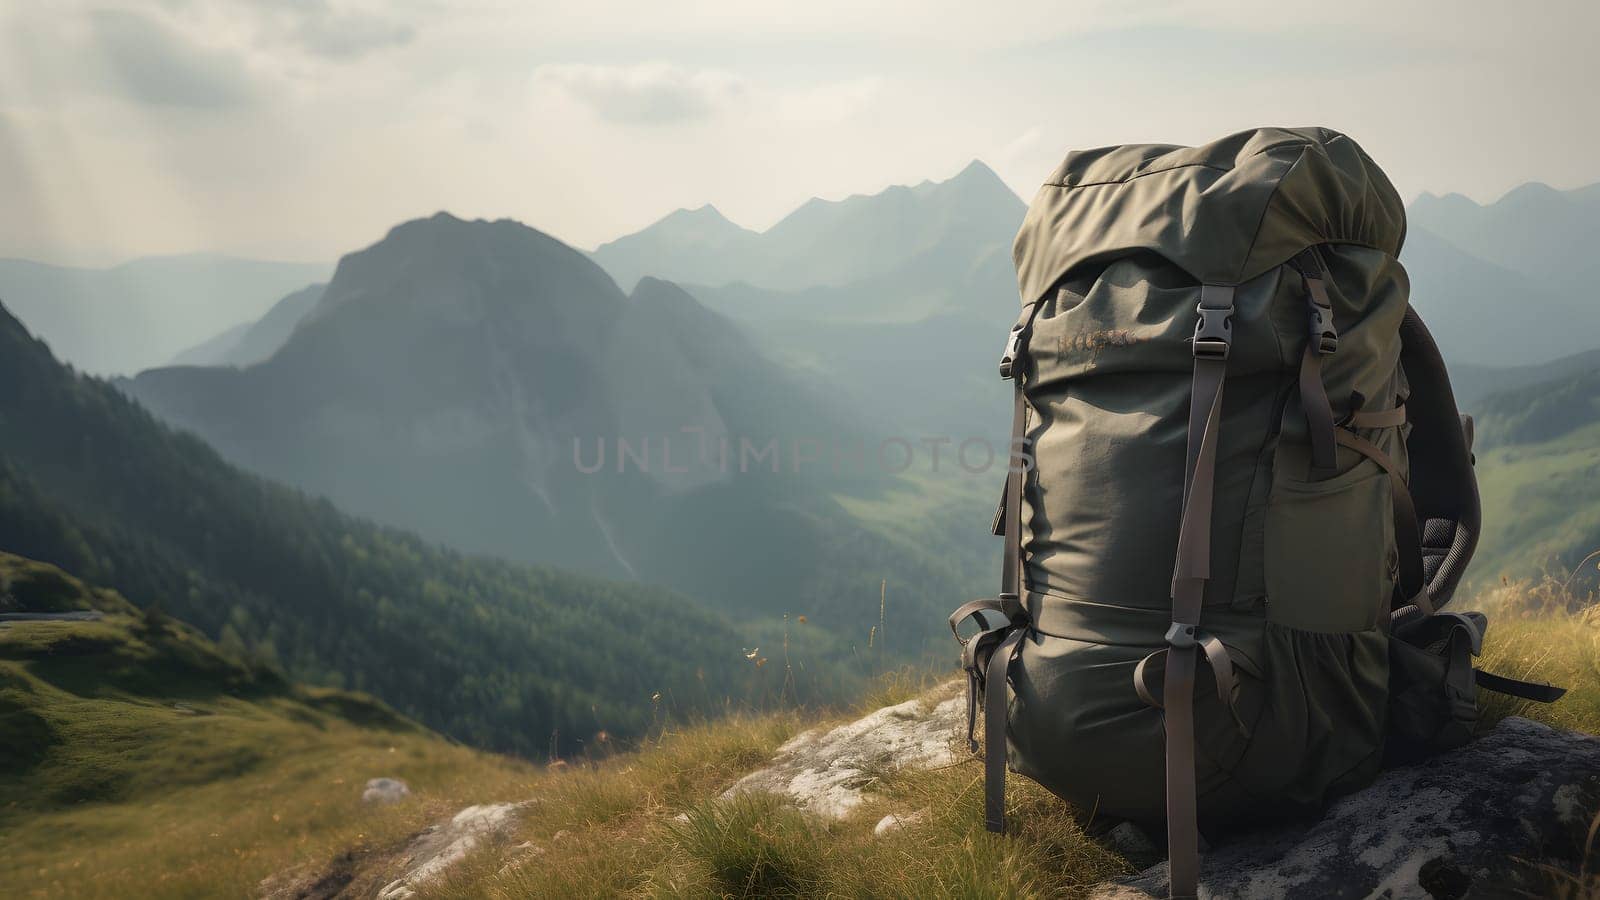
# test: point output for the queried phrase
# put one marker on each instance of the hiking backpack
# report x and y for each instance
(1240, 494)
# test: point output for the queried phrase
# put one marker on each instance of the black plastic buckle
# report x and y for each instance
(1013, 346)
(1213, 334)
(1181, 636)
(1322, 330)
(1008, 359)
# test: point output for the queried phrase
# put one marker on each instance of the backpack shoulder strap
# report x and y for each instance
(1444, 488)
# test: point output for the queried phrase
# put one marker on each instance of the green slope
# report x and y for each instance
(1539, 473)
(503, 656)
(1541, 506)
(139, 759)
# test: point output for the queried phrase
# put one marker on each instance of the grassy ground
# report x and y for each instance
(643, 825)
(138, 760)
(1538, 630)
(647, 825)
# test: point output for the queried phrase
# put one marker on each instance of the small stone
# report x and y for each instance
(1131, 841)
(893, 822)
(396, 890)
(385, 791)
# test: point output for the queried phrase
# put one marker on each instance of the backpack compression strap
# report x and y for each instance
(1326, 434)
(1213, 338)
(987, 656)
(1324, 341)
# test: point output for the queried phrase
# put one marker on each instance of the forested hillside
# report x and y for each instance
(139, 759)
(500, 655)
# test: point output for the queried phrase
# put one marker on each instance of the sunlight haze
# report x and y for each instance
(302, 130)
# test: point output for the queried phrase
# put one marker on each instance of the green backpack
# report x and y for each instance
(1240, 492)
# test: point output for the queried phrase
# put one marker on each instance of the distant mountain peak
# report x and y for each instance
(1430, 207)
(443, 223)
(1531, 192)
(977, 169)
(1452, 197)
(704, 221)
(704, 212)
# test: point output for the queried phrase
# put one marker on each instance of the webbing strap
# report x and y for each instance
(1407, 537)
(1322, 340)
(1516, 687)
(973, 609)
(1009, 520)
(995, 676)
(1011, 571)
(1378, 418)
(1183, 812)
(1222, 666)
(994, 731)
(1191, 570)
(1319, 415)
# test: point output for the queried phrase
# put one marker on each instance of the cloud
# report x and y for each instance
(346, 36)
(658, 94)
(645, 94)
(151, 63)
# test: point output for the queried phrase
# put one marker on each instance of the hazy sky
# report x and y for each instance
(301, 129)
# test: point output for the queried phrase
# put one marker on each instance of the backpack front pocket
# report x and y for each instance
(1329, 548)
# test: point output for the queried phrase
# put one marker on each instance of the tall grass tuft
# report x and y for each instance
(753, 845)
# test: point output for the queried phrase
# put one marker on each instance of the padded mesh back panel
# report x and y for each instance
(1443, 484)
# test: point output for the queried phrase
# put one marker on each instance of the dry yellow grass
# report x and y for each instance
(298, 804)
(648, 825)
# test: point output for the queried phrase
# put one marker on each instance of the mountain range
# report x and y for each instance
(899, 232)
(127, 318)
(896, 301)
(1507, 283)
(459, 379)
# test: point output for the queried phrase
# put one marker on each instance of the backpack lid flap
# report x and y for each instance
(1224, 212)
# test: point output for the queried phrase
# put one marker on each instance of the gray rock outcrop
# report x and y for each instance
(439, 847)
(827, 771)
(1478, 822)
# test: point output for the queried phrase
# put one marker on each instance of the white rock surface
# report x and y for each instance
(439, 847)
(385, 790)
(827, 771)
